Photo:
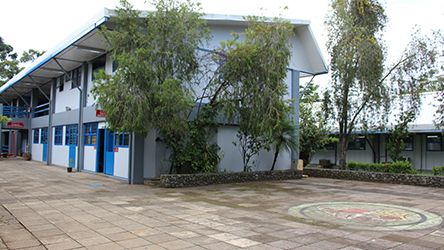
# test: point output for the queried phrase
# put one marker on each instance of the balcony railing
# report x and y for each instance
(15, 112)
(41, 110)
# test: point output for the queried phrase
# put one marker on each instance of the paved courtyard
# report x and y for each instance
(44, 207)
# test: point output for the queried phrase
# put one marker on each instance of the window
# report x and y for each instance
(58, 135)
(435, 143)
(97, 65)
(62, 83)
(408, 143)
(356, 143)
(122, 139)
(91, 134)
(75, 77)
(71, 135)
(36, 136)
(115, 66)
(44, 136)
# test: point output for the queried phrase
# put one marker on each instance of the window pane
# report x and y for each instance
(126, 140)
(94, 140)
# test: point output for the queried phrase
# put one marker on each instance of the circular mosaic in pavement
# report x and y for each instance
(367, 216)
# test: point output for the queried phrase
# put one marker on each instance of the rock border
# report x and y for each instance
(193, 180)
(391, 178)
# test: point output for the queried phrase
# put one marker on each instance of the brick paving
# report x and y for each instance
(44, 207)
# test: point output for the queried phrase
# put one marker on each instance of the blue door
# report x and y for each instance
(44, 142)
(72, 156)
(45, 152)
(109, 153)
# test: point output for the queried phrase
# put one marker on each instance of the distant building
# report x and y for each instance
(424, 147)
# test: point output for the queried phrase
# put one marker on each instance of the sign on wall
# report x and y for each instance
(101, 113)
(15, 125)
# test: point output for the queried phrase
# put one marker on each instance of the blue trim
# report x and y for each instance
(58, 135)
(36, 136)
(91, 130)
(122, 140)
(71, 135)
(56, 53)
(44, 136)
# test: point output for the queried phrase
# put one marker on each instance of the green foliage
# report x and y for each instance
(252, 87)
(395, 142)
(249, 145)
(4, 119)
(400, 167)
(438, 170)
(9, 61)
(194, 152)
(284, 138)
(314, 132)
(362, 98)
(157, 59)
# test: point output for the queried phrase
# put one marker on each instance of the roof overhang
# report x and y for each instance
(86, 44)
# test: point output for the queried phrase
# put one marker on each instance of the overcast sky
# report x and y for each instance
(41, 24)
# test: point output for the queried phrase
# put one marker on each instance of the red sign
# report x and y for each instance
(101, 113)
(116, 149)
(15, 125)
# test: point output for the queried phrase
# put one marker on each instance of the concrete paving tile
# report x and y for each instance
(84, 234)
(407, 246)
(160, 238)
(136, 242)
(64, 245)
(184, 234)
(220, 246)
(176, 244)
(242, 242)
(224, 236)
(284, 244)
(45, 233)
(107, 246)
(52, 239)
(202, 240)
(93, 241)
(23, 244)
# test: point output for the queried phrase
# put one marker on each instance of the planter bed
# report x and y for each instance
(192, 180)
(406, 179)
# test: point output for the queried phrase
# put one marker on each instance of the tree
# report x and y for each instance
(252, 86)
(154, 85)
(284, 138)
(314, 131)
(9, 62)
(4, 119)
(361, 90)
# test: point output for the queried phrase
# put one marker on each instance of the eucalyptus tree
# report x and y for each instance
(252, 86)
(362, 87)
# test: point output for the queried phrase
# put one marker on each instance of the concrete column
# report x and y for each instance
(1, 127)
(136, 159)
(295, 95)
(82, 98)
(51, 114)
(34, 103)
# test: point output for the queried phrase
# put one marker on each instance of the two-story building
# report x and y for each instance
(54, 118)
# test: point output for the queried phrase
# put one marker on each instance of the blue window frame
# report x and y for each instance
(356, 143)
(122, 139)
(91, 134)
(75, 78)
(44, 136)
(435, 143)
(58, 135)
(71, 135)
(36, 136)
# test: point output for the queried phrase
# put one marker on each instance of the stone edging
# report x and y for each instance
(406, 179)
(191, 180)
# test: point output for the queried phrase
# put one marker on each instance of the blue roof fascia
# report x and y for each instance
(27, 71)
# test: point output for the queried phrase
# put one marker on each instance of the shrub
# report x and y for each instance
(400, 167)
(438, 170)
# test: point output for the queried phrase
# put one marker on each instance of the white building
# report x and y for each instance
(55, 116)
(424, 148)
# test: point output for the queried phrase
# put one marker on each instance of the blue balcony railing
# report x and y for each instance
(41, 110)
(15, 112)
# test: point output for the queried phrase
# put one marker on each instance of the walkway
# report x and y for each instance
(44, 207)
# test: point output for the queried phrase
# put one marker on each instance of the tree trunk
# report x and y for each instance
(275, 158)
(343, 145)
